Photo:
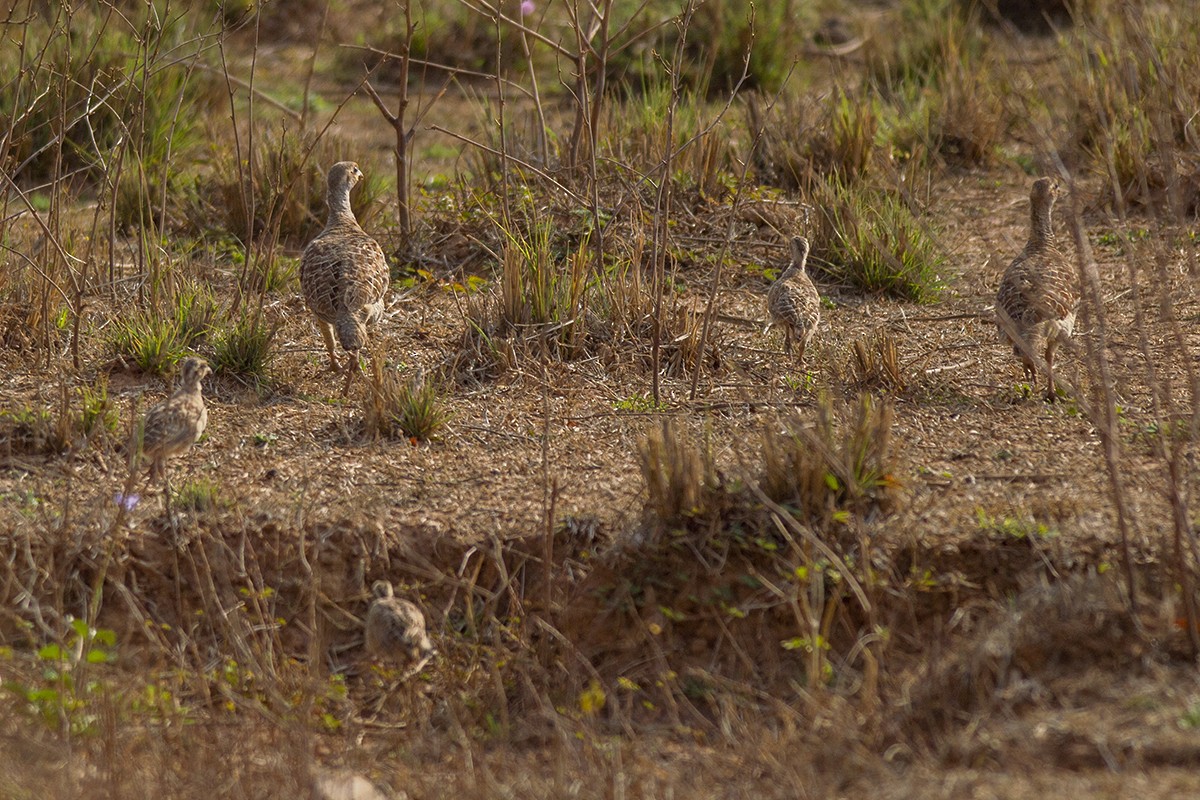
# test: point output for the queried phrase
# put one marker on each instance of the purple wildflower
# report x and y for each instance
(527, 7)
(127, 502)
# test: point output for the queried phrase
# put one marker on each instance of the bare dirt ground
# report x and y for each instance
(1001, 496)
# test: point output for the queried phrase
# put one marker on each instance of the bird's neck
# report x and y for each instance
(1040, 229)
(191, 387)
(339, 207)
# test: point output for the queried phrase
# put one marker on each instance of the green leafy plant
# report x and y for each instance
(636, 402)
(195, 310)
(97, 412)
(55, 696)
(1021, 526)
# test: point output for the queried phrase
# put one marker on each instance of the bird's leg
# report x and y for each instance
(787, 339)
(1051, 391)
(1027, 365)
(800, 348)
(166, 484)
(351, 368)
(327, 335)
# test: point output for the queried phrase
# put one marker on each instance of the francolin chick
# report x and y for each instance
(1036, 303)
(793, 301)
(174, 425)
(395, 629)
(343, 273)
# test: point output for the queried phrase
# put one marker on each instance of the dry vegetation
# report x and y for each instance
(656, 558)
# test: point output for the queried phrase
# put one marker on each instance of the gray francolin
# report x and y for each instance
(793, 301)
(174, 425)
(395, 628)
(1037, 300)
(343, 273)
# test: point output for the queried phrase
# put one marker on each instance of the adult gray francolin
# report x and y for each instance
(793, 301)
(343, 273)
(395, 629)
(174, 425)
(1037, 300)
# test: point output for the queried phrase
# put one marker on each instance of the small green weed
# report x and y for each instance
(276, 275)
(1020, 527)
(804, 382)
(55, 696)
(97, 412)
(199, 495)
(195, 310)
(638, 402)
(1190, 719)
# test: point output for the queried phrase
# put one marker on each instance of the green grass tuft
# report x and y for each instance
(245, 349)
(152, 342)
(876, 244)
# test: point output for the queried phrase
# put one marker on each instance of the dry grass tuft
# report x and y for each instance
(680, 474)
(280, 195)
(876, 364)
(803, 143)
(826, 469)
(1020, 652)
(394, 407)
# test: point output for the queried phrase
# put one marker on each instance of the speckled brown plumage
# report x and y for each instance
(1037, 300)
(793, 301)
(395, 628)
(343, 272)
(174, 425)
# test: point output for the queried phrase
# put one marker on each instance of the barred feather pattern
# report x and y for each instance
(793, 301)
(1037, 299)
(174, 425)
(395, 628)
(343, 273)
